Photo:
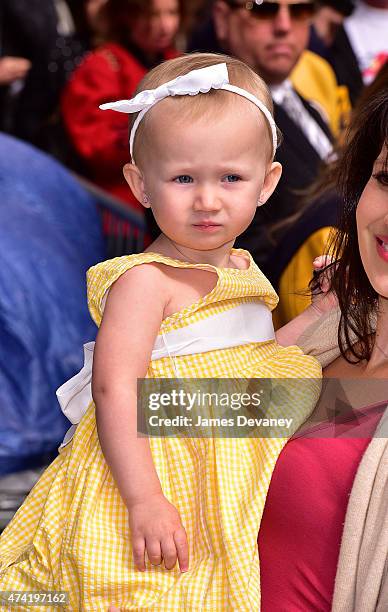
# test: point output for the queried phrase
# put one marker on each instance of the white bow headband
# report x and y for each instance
(191, 84)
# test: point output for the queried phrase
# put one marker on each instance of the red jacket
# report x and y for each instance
(101, 137)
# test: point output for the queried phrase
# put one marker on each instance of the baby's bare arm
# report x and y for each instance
(132, 318)
(131, 321)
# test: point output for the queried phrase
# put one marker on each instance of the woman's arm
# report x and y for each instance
(289, 333)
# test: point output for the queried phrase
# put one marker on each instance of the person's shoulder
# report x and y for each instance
(112, 54)
(126, 278)
(146, 276)
(121, 58)
(109, 55)
(101, 63)
(313, 63)
(140, 265)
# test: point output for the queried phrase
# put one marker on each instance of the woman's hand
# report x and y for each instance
(156, 527)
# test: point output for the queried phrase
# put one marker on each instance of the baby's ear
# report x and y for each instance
(135, 180)
(270, 182)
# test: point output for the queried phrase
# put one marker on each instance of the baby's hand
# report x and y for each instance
(325, 299)
(156, 527)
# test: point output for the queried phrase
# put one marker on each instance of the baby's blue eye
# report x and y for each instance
(232, 178)
(183, 179)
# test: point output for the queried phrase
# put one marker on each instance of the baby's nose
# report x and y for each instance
(207, 198)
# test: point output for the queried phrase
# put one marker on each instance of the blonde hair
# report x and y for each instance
(194, 107)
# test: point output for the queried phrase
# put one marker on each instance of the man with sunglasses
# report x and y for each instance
(271, 37)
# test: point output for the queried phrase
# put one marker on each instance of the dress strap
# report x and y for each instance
(102, 276)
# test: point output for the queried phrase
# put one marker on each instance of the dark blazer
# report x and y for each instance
(344, 62)
(300, 164)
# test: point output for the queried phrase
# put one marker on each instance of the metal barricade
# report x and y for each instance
(125, 229)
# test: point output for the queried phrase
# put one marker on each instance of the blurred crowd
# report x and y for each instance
(61, 59)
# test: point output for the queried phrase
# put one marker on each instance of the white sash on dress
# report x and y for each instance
(249, 322)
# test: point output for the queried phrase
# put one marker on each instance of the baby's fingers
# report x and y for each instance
(182, 548)
(169, 552)
(322, 261)
(322, 264)
(138, 549)
(154, 552)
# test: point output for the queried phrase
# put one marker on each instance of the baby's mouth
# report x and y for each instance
(205, 223)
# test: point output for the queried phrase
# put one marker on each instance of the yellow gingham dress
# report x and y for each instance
(71, 534)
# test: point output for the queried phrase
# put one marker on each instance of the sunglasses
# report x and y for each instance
(269, 10)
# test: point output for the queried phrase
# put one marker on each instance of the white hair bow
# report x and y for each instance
(194, 82)
(190, 84)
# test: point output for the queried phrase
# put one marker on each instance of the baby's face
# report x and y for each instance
(205, 177)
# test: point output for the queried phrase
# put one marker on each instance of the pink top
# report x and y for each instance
(301, 528)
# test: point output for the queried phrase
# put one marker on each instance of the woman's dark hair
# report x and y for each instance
(365, 137)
